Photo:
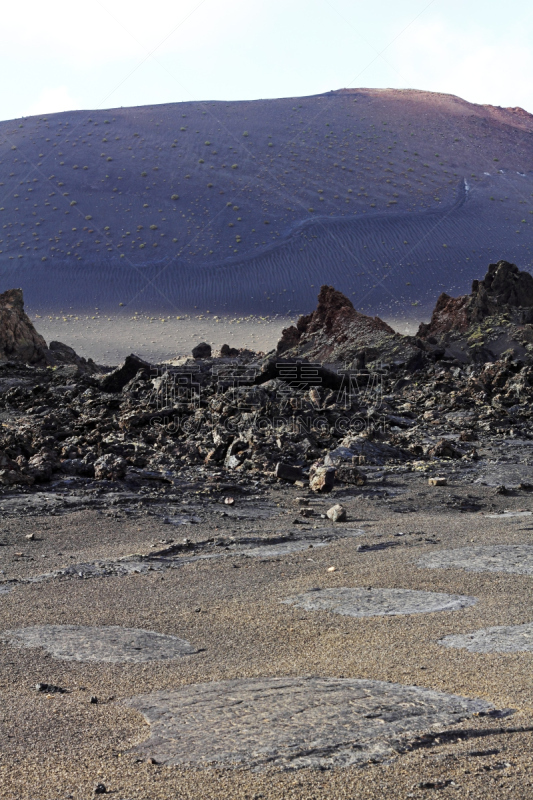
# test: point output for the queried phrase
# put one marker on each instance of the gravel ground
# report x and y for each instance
(231, 610)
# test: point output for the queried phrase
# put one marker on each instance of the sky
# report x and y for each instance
(64, 55)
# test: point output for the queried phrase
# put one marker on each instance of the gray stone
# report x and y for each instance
(360, 602)
(500, 639)
(515, 558)
(110, 467)
(349, 474)
(378, 453)
(321, 479)
(292, 722)
(112, 644)
(287, 472)
(337, 513)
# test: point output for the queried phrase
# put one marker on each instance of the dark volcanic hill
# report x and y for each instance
(391, 196)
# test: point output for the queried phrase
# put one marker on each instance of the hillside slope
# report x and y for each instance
(392, 196)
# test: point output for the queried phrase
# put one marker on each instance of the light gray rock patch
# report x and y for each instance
(112, 644)
(515, 558)
(292, 722)
(508, 514)
(500, 639)
(360, 602)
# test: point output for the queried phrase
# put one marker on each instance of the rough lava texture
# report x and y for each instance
(271, 417)
(335, 332)
(504, 288)
(313, 722)
(495, 320)
(20, 342)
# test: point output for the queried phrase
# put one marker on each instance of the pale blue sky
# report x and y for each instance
(64, 55)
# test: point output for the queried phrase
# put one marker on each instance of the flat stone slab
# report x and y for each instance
(292, 722)
(281, 549)
(112, 644)
(514, 558)
(360, 602)
(500, 639)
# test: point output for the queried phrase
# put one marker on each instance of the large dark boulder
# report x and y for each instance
(202, 350)
(115, 381)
